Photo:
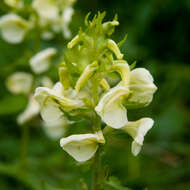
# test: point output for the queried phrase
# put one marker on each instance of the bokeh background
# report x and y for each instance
(158, 39)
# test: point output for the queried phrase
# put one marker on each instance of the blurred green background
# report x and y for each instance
(159, 40)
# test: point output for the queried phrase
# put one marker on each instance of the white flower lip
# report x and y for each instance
(110, 107)
(137, 130)
(81, 147)
(20, 82)
(31, 110)
(13, 28)
(41, 61)
(55, 129)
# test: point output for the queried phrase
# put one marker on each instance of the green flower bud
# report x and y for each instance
(114, 48)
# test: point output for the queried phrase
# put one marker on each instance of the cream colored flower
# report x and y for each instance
(142, 88)
(13, 28)
(53, 101)
(81, 147)
(41, 61)
(46, 82)
(137, 130)
(31, 111)
(56, 129)
(20, 82)
(47, 10)
(110, 107)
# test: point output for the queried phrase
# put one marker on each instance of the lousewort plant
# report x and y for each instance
(98, 85)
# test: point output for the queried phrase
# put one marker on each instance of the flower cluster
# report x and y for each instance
(25, 83)
(96, 83)
(49, 16)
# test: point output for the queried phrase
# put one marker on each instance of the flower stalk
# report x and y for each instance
(24, 146)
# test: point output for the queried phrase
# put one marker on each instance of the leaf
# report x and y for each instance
(122, 41)
(12, 104)
(114, 184)
(46, 186)
(133, 65)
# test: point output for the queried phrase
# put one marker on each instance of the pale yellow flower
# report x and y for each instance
(137, 130)
(20, 82)
(81, 147)
(13, 28)
(41, 61)
(31, 111)
(110, 107)
(52, 101)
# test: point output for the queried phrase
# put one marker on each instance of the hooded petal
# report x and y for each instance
(31, 110)
(81, 147)
(137, 130)
(50, 110)
(20, 82)
(124, 71)
(87, 73)
(41, 61)
(52, 101)
(13, 28)
(110, 107)
(142, 88)
(115, 49)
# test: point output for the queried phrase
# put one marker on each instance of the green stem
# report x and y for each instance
(97, 160)
(24, 146)
(96, 168)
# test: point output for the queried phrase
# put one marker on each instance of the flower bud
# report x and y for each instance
(87, 73)
(114, 48)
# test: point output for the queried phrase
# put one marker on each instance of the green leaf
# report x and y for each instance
(133, 65)
(114, 184)
(12, 104)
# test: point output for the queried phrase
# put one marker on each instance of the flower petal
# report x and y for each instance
(142, 88)
(41, 61)
(50, 111)
(31, 110)
(81, 147)
(137, 130)
(66, 18)
(47, 10)
(13, 28)
(20, 82)
(55, 129)
(124, 71)
(110, 108)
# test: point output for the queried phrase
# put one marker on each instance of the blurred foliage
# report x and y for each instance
(158, 38)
